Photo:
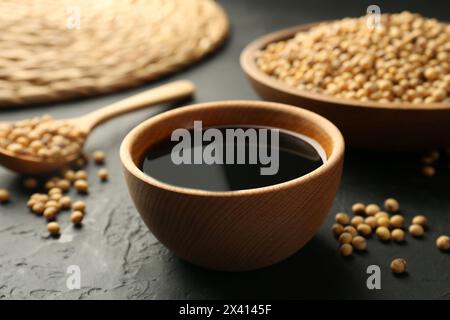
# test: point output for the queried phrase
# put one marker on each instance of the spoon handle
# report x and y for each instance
(169, 92)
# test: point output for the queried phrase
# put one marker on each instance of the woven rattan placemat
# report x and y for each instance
(54, 50)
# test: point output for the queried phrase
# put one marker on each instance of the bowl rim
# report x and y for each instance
(336, 154)
(250, 68)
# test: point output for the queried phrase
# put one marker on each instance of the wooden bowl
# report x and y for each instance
(364, 124)
(234, 230)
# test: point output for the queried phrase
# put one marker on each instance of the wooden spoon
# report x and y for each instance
(30, 165)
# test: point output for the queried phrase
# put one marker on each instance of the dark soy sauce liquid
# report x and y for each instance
(298, 155)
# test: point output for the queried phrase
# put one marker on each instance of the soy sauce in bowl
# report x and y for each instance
(229, 158)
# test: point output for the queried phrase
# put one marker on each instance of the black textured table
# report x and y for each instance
(119, 258)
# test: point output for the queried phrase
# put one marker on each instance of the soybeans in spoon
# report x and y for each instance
(43, 144)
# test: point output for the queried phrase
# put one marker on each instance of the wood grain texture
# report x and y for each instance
(372, 125)
(234, 230)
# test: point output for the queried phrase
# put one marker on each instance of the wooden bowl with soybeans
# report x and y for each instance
(385, 87)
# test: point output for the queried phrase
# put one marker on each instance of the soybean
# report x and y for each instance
(397, 221)
(359, 243)
(79, 206)
(383, 222)
(337, 229)
(76, 217)
(81, 186)
(346, 250)
(420, 220)
(398, 265)
(345, 238)
(383, 233)
(443, 243)
(364, 229)
(103, 174)
(342, 218)
(391, 205)
(356, 221)
(351, 230)
(359, 208)
(398, 235)
(372, 209)
(53, 228)
(416, 230)
(371, 221)
(5, 196)
(99, 157)
(50, 213)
